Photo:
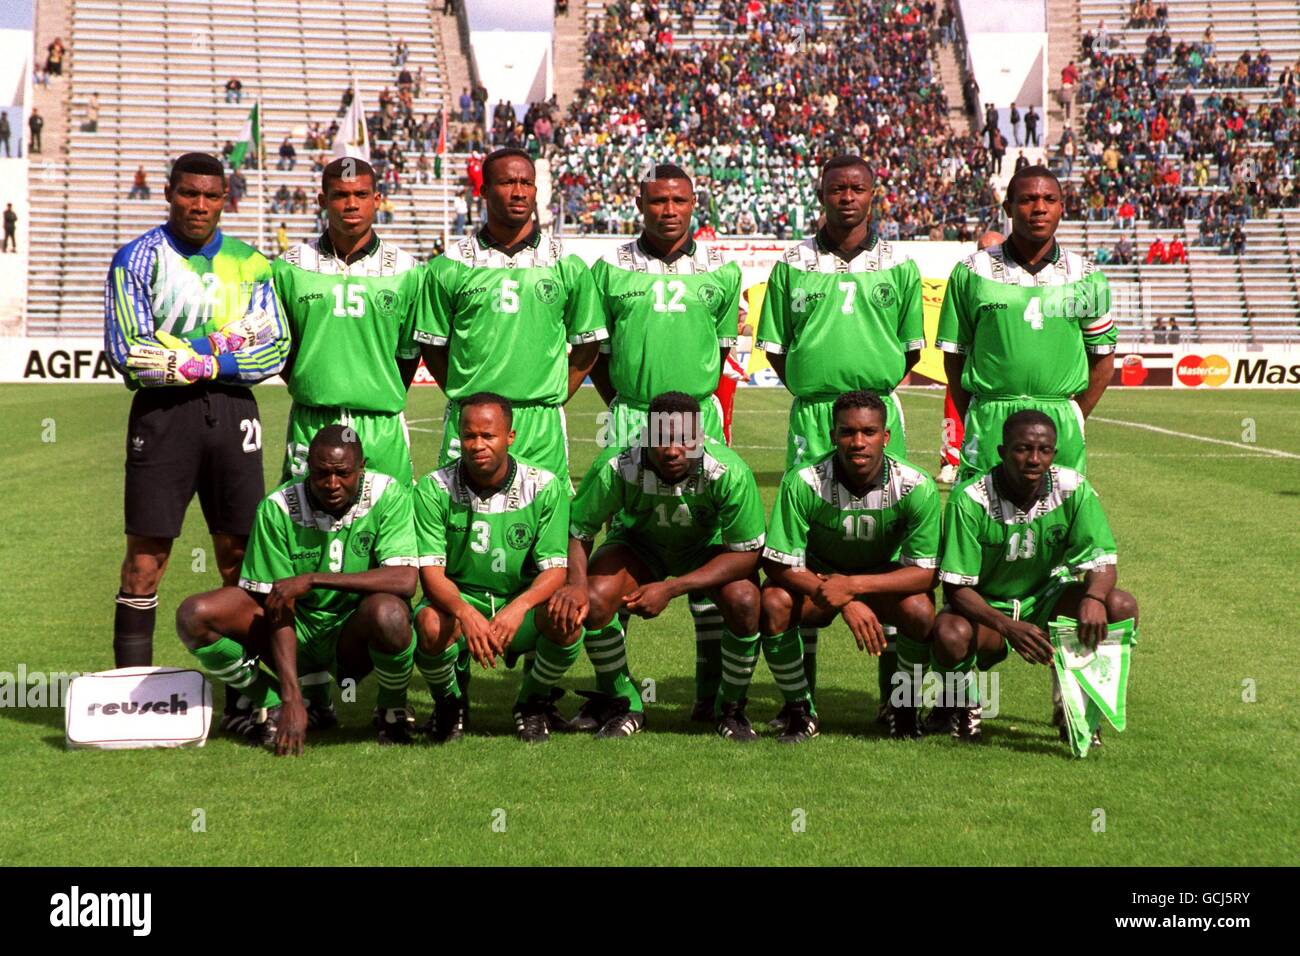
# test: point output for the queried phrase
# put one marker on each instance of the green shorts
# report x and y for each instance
(540, 437)
(318, 642)
(984, 419)
(1037, 608)
(384, 439)
(488, 605)
(624, 423)
(660, 564)
(811, 424)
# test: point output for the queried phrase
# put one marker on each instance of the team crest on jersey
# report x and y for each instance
(361, 543)
(547, 290)
(1055, 535)
(709, 295)
(883, 296)
(517, 536)
(386, 302)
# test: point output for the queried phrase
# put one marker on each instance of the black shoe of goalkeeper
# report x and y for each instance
(702, 711)
(596, 710)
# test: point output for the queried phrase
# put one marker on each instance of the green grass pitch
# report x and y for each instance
(1204, 775)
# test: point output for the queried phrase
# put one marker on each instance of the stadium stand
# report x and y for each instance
(1202, 114)
(751, 96)
(160, 70)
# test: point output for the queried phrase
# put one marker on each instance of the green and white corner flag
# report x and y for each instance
(249, 137)
(1094, 683)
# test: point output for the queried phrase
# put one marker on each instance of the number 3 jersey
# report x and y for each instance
(497, 543)
(291, 537)
(667, 321)
(819, 524)
(1008, 554)
(506, 318)
(1025, 334)
(351, 320)
(717, 502)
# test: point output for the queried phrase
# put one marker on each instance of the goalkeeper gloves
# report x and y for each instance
(256, 328)
(154, 365)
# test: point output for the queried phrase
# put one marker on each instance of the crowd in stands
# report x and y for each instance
(1149, 148)
(754, 113)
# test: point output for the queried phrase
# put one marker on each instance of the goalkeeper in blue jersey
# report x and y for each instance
(191, 321)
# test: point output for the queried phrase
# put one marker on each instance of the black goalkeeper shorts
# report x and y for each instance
(183, 439)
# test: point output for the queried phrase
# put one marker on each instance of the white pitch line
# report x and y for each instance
(1273, 452)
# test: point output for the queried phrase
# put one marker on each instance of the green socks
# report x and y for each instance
(549, 666)
(224, 661)
(784, 655)
(608, 655)
(739, 655)
(441, 671)
(708, 645)
(809, 637)
(913, 656)
(393, 673)
(959, 686)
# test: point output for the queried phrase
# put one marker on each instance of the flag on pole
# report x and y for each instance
(250, 137)
(442, 147)
(353, 138)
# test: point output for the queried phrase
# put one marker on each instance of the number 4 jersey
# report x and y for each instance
(1008, 554)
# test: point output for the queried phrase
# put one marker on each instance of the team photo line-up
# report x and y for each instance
(496, 546)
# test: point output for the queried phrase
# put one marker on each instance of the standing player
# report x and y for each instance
(670, 307)
(325, 586)
(686, 517)
(354, 302)
(842, 312)
(854, 534)
(1012, 538)
(953, 430)
(491, 531)
(1025, 324)
(505, 302)
(190, 320)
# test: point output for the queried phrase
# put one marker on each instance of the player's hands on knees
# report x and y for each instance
(833, 593)
(865, 627)
(649, 600)
(285, 592)
(568, 608)
(1029, 641)
(292, 730)
(479, 636)
(1092, 622)
(505, 624)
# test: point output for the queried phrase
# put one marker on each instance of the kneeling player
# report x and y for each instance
(491, 533)
(854, 534)
(684, 508)
(1012, 538)
(325, 584)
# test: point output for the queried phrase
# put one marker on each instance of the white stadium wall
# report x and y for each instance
(1007, 54)
(512, 45)
(15, 102)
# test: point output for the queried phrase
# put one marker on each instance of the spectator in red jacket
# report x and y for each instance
(1125, 216)
(1156, 253)
(1175, 252)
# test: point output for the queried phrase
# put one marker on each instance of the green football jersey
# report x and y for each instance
(351, 322)
(716, 503)
(1007, 554)
(1026, 334)
(291, 537)
(667, 321)
(496, 544)
(817, 523)
(506, 319)
(842, 325)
